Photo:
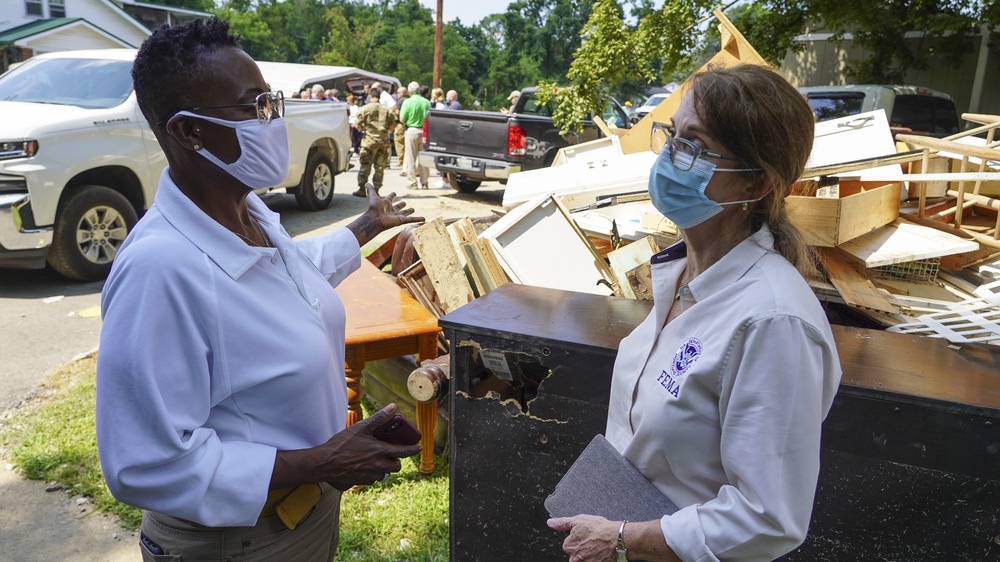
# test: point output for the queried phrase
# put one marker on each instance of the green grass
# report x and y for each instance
(52, 438)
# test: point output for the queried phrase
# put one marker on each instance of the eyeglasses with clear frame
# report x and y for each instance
(268, 105)
(662, 136)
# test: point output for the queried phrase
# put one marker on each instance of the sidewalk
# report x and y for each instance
(40, 526)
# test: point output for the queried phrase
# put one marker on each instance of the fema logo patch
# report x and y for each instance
(684, 358)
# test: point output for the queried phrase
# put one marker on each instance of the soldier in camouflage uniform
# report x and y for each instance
(376, 120)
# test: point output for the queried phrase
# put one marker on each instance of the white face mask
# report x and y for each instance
(263, 160)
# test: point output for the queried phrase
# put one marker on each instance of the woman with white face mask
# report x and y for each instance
(718, 396)
(221, 398)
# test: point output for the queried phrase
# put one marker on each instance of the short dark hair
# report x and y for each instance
(425, 91)
(169, 67)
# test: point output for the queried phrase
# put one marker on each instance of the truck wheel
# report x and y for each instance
(316, 191)
(463, 185)
(91, 226)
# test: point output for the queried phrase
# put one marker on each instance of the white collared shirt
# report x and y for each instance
(386, 99)
(721, 408)
(214, 355)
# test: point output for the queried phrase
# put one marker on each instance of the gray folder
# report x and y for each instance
(603, 482)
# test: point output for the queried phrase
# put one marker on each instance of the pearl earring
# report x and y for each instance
(198, 147)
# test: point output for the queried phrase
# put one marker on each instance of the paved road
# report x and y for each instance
(48, 320)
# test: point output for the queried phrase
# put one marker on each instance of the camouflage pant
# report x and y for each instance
(377, 155)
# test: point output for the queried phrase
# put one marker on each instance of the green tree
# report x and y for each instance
(879, 29)
(612, 53)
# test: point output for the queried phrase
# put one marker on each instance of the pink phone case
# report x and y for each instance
(398, 431)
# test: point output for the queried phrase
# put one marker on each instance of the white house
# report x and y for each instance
(28, 27)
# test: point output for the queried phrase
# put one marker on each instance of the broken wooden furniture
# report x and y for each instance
(910, 453)
(978, 164)
(382, 321)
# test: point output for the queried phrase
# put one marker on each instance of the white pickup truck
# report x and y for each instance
(79, 164)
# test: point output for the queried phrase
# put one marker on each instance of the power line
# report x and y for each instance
(381, 12)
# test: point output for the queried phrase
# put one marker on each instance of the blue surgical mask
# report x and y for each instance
(680, 195)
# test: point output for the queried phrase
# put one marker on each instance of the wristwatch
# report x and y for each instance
(620, 547)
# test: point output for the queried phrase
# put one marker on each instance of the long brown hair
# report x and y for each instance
(765, 123)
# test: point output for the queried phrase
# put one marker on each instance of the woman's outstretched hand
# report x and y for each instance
(382, 214)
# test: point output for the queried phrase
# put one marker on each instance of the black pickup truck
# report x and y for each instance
(474, 146)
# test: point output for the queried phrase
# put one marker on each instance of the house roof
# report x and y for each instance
(25, 33)
(167, 8)
(34, 28)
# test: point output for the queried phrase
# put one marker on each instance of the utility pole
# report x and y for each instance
(438, 44)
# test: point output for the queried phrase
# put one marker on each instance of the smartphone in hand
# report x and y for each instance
(397, 431)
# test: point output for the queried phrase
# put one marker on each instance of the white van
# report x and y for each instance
(909, 109)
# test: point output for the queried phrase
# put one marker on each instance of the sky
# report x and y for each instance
(469, 11)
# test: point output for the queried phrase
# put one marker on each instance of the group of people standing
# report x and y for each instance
(385, 120)
(318, 92)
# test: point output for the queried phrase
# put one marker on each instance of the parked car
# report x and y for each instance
(909, 109)
(647, 106)
(79, 164)
(474, 146)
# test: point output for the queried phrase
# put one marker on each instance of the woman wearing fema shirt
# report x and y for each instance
(719, 395)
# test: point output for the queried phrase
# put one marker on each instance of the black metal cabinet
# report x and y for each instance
(911, 449)
(530, 380)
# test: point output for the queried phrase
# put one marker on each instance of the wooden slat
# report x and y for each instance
(982, 118)
(441, 262)
(902, 242)
(463, 232)
(864, 164)
(950, 146)
(415, 280)
(492, 264)
(477, 268)
(943, 176)
(853, 284)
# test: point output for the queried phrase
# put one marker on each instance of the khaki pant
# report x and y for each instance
(414, 171)
(399, 139)
(313, 540)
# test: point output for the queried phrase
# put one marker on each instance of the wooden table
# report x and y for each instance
(383, 322)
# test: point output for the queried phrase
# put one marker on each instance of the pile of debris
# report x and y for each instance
(907, 231)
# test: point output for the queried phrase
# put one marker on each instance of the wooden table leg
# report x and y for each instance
(427, 424)
(427, 409)
(353, 369)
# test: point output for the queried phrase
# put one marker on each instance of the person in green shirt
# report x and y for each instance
(412, 115)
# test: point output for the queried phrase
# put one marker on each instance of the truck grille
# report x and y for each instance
(13, 184)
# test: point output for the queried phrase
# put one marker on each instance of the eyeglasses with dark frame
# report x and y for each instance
(662, 136)
(269, 105)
